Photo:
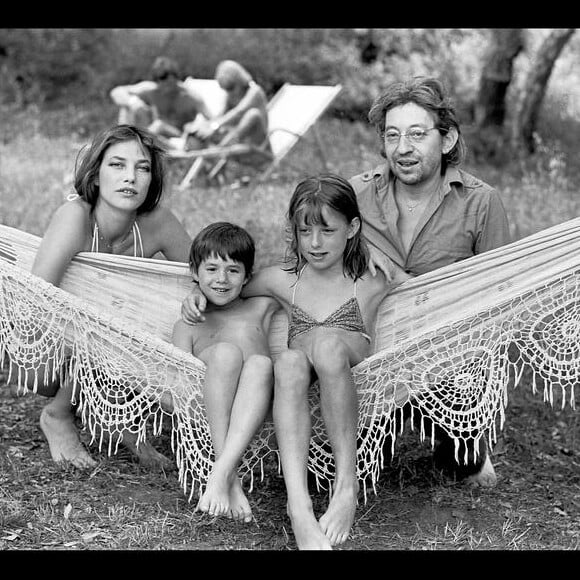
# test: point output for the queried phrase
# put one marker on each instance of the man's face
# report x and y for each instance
(412, 144)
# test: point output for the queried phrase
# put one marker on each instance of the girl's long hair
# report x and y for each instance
(308, 200)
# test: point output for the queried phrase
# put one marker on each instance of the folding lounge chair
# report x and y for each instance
(291, 113)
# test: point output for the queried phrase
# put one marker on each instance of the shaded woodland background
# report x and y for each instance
(501, 78)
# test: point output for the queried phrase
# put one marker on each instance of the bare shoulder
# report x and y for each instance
(73, 209)
(163, 232)
(70, 220)
(183, 331)
(160, 216)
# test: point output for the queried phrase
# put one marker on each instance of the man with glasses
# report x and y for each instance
(422, 212)
(164, 105)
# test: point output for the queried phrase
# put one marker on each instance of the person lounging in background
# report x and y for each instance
(245, 118)
(163, 105)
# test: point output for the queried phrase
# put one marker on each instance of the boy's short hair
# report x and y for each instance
(225, 240)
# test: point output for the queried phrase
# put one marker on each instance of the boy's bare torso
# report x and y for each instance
(244, 323)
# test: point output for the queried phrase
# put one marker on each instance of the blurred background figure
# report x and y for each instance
(245, 118)
(163, 105)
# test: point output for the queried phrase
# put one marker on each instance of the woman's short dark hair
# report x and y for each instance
(87, 169)
(428, 93)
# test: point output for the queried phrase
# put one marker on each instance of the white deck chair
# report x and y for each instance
(291, 113)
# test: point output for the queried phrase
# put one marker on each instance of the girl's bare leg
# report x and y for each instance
(292, 423)
(339, 406)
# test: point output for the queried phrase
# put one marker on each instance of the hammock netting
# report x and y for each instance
(447, 344)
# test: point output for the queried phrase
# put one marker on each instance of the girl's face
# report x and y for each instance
(221, 281)
(323, 245)
(124, 175)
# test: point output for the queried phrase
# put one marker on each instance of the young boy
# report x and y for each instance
(233, 343)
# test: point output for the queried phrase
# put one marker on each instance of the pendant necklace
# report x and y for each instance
(110, 245)
(411, 206)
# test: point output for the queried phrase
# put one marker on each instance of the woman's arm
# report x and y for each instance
(181, 336)
(65, 237)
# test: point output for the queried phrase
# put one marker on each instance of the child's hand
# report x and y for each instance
(380, 261)
(193, 306)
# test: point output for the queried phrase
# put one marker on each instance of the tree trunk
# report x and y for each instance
(521, 131)
(506, 44)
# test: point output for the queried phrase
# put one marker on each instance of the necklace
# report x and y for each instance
(411, 206)
(110, 245)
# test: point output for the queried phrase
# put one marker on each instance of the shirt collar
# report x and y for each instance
(452, 176)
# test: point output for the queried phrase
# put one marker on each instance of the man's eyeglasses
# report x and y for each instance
(392, 137)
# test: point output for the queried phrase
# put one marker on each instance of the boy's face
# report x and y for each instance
(221, 281)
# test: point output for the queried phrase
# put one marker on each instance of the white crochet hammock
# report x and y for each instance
(445, 343)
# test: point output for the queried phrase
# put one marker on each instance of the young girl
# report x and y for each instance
(331, 301)
(118, 183)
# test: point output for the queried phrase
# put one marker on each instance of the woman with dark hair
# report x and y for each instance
(115, 210)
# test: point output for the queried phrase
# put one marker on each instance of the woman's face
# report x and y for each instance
(125, 175)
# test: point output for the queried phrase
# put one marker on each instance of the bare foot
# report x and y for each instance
(63, 440)
(307, 531)
(485, 477)
(215, 499)
(148, 456)
(240, 509)
(337, 521)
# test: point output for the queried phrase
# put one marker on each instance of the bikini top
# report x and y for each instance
(136, 240)
(95, 242)
(347, 317)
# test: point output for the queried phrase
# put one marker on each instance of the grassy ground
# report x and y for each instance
(119, 506)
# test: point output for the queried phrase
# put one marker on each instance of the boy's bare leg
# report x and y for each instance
(339, 406)
(249, 410)
(57, 421)
(224, 365)
(292, 423)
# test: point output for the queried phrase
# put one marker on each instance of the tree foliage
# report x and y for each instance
(56, 67)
